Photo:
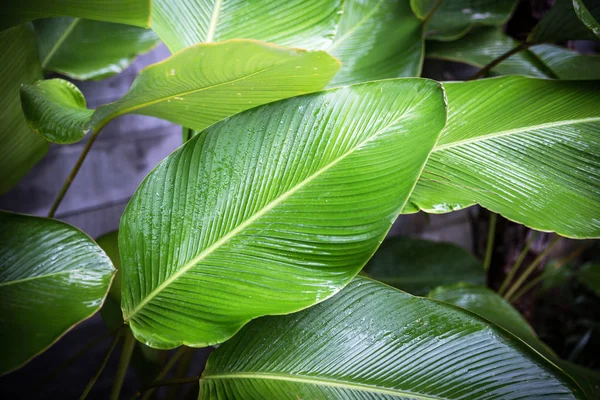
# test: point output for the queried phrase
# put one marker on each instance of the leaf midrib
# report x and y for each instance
(362, 21)
(214, 18)
(60, 41)
(514, 131)
(8, 283)
(268, 207)
(320, 382)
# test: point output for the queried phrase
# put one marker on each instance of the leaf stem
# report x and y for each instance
(519, 282)
(128, 347)
(148, 390)
(489, 250)
(90, 385)
(73, 173)
(431, 12)
(487, 68)
(175, 381)
(513, 270)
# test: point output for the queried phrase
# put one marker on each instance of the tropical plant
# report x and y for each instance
(307, 131)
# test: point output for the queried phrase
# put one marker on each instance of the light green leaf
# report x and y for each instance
(563, 23)
(131, 12)
(417, 265)
(195, 87)
(483, 45)
(20, 149)
(589, 275)
(85, 49)
(567, 64)
(374, 342)
(524, 148)
(272, 210)
(453, 19)
(52, 276)
(374, 39)
(489, 305)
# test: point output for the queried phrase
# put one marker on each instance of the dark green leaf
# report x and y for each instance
(563, 23)
(567, 64)
(20, 149)
(84, 49)
(374, 342)
(417, 265)
(589, 275)
(52, 276)
(272, 210)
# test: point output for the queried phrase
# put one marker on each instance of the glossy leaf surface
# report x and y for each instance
(483, 45)
(195, 87)
(85, 49)
(489, 305)
(417, 265)
(453, 19)
(272, 210)
(52, 276)
(20, 149)
(562, 23)
(374, 342)
(567, 64)
(131, 12)
(374, 39)
(524, 148)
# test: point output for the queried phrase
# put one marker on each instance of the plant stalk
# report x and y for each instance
(90, 385)
(513, 270)
(431, 12)
(148, 390)
(128, 347)
(519, 282)
(73, 173)
(175, 381)
(487, 68)
(489, 250)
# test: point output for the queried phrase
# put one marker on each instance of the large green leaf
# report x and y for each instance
(567, 64)
(52, 276)
(524, 148)
(85, 49)
(374, 39)
(20, 149)
(374, 342)
(131, 12)
(195, 87)
(562, 22)
(489, 305)
(272, 210)
(453, 19)
(483, 45)
(417, 265)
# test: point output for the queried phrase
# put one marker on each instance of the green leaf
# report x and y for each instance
(588, 12)
(489, 305)
(567, 64)
(589, 275)
(195, 87)
(371, 341)
(20, 149)
(563, 23)
(524, 148)
(417, 265)
(483, 45)
(272, 210)
(131, 12)
(85, 49)
(52, 276)
(374, 39)
(453, 19)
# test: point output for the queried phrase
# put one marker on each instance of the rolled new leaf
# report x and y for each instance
(524, 148)
(195, 87)
(52, 276)
(417, 266)
(131, 12)
(85, 49)
(20, 149)
(272, 210)
(371, 341)
(374, 39)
